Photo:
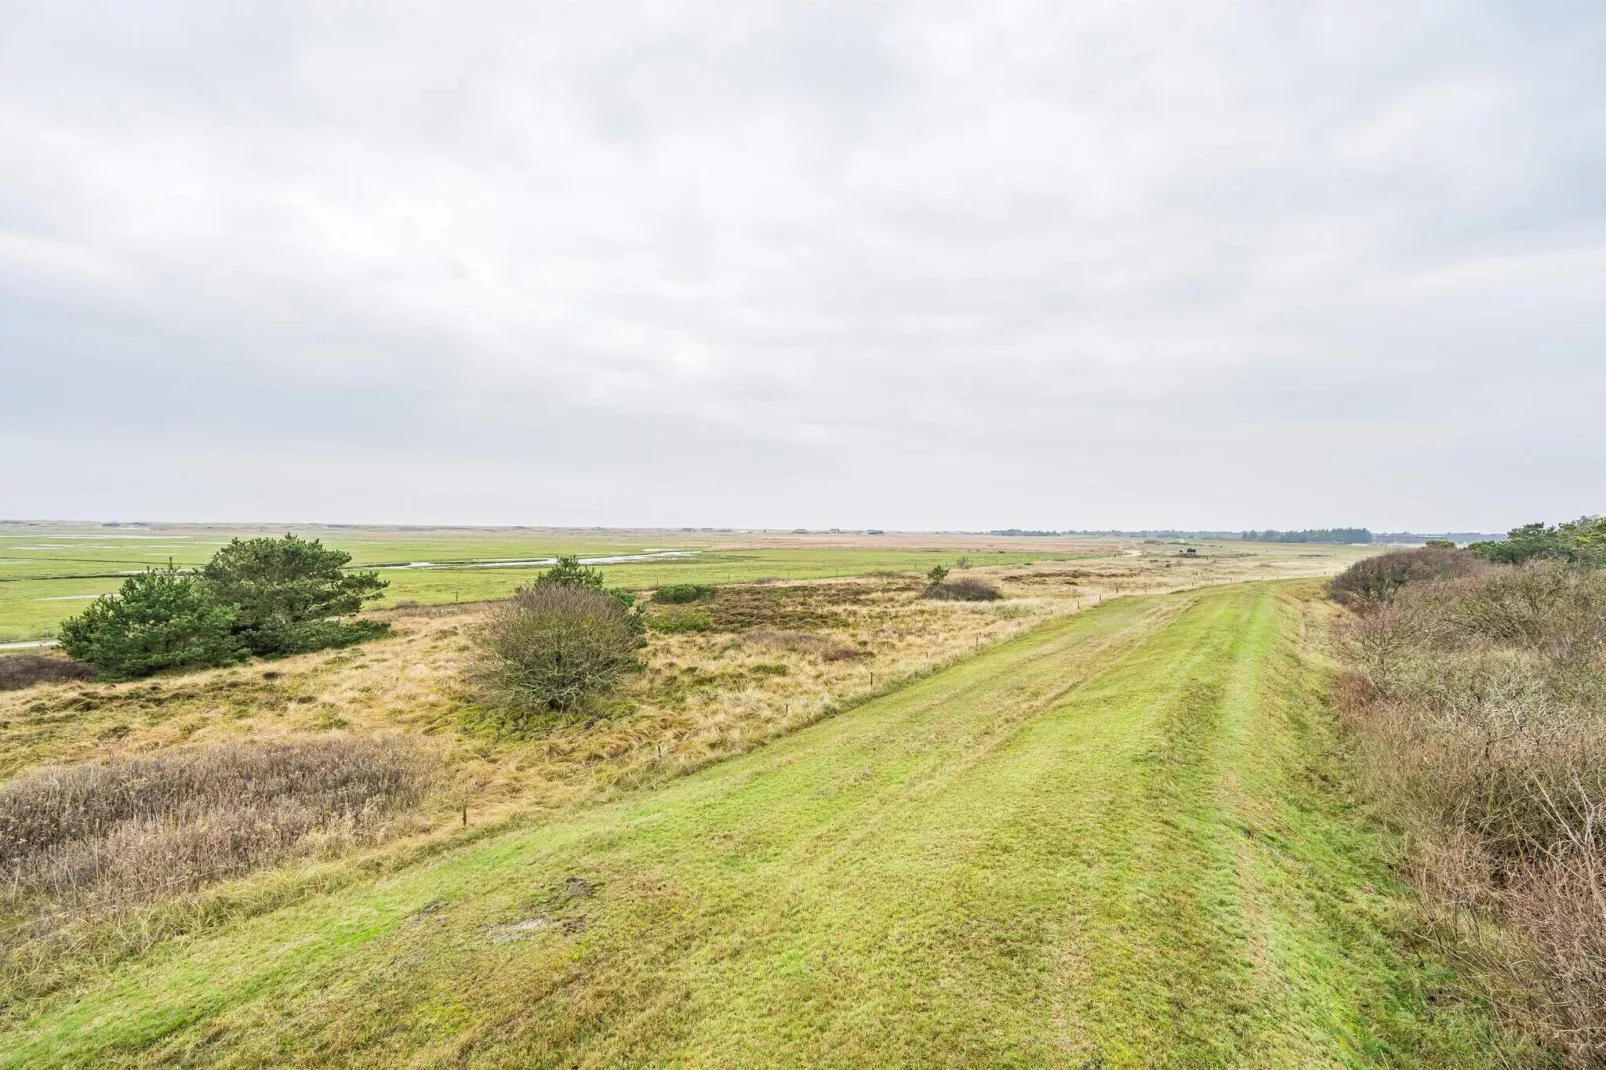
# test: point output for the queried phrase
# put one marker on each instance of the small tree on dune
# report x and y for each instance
(256, 596)
(567, 571)
(160, 619)
(287, 590)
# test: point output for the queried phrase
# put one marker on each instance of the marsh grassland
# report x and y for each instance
(1100, 821)
(49, 570)
(1119, 838)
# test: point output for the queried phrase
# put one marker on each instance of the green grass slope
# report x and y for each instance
(1116, 841)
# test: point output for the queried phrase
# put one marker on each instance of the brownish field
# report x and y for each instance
(782, 655)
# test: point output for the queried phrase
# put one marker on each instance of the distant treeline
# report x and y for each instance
(1461, 538)
(1110, 533)
(1344, 535)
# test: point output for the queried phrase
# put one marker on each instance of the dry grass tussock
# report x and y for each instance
(1479, 706)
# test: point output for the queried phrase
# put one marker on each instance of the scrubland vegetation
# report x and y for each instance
(190, 802)
(1376, 580)
(1114, 841)
(1477, 696)
(679, 594)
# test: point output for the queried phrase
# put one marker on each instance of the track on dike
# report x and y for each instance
(1122, 839)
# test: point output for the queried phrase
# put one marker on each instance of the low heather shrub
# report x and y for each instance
(25, 670)
(676, 623)
(963, 591)
(684, 593)
(824, 647)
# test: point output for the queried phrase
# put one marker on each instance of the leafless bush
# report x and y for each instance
(1378, 579)
(550, 648)
(962, 591)
(25, 670)
(134, 830)
(1479, 709)
(1557, 909)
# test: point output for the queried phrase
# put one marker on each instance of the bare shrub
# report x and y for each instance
(135, 830)
(24, 670)
(1557, 909)
(1378, 579)
(549, 649)
(1479, 712)
(962, 591)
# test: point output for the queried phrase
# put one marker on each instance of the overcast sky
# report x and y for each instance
(907, 265)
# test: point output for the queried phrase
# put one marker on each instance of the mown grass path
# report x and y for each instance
(1115, 841)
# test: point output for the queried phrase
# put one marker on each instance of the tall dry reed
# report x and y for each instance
(108, 840)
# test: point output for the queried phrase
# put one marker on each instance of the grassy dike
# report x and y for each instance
(1120, 840)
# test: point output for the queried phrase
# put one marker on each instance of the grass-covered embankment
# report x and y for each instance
(1118, 840)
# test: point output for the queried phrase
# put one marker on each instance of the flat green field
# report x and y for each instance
(48, 574)
(30, 608)
(48, 571)
(1119, 840)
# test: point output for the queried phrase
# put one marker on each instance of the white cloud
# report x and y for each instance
(1219, 264)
